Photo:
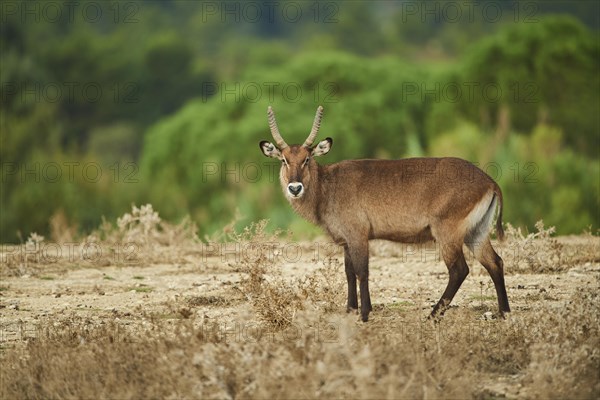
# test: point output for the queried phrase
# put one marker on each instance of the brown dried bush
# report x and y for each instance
(295, 341)
(276, 299)
(540, 252)
(140, 237)
(549, 354)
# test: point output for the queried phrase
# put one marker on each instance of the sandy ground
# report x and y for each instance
(405, 283)
(207, 286)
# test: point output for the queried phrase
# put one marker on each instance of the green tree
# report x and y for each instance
(542, 72)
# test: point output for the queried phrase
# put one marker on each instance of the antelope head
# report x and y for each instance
(297, 164)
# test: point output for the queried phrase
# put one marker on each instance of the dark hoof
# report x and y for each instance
(435, 318)
(436, 315)
(364, 316)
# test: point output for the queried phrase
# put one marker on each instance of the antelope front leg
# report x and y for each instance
(351, 276)
(359, 256)
(365, 297)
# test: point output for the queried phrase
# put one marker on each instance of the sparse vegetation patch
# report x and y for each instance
(260, 325)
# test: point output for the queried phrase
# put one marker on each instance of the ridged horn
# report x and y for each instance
(315, 128)
(274, 130)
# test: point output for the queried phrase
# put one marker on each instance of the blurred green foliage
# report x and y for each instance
(184, 91)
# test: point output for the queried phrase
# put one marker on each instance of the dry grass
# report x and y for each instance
(541, 252)
(553, 355)
(291, 339)
(276, 299)
(139, 237)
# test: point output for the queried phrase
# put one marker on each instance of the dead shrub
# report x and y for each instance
(540, 252)
(140, 237)
(565, 356)
(325, 286)
(275, 298)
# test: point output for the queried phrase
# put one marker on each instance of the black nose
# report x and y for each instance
(295, 189)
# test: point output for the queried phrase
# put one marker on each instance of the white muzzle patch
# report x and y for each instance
(295, 190)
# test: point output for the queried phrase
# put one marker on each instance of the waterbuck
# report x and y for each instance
(413, 200)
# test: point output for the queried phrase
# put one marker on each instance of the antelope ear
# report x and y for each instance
(323, 147)
(269, 149)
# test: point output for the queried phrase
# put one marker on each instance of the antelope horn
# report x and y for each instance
(315, 128)
(274, 130)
